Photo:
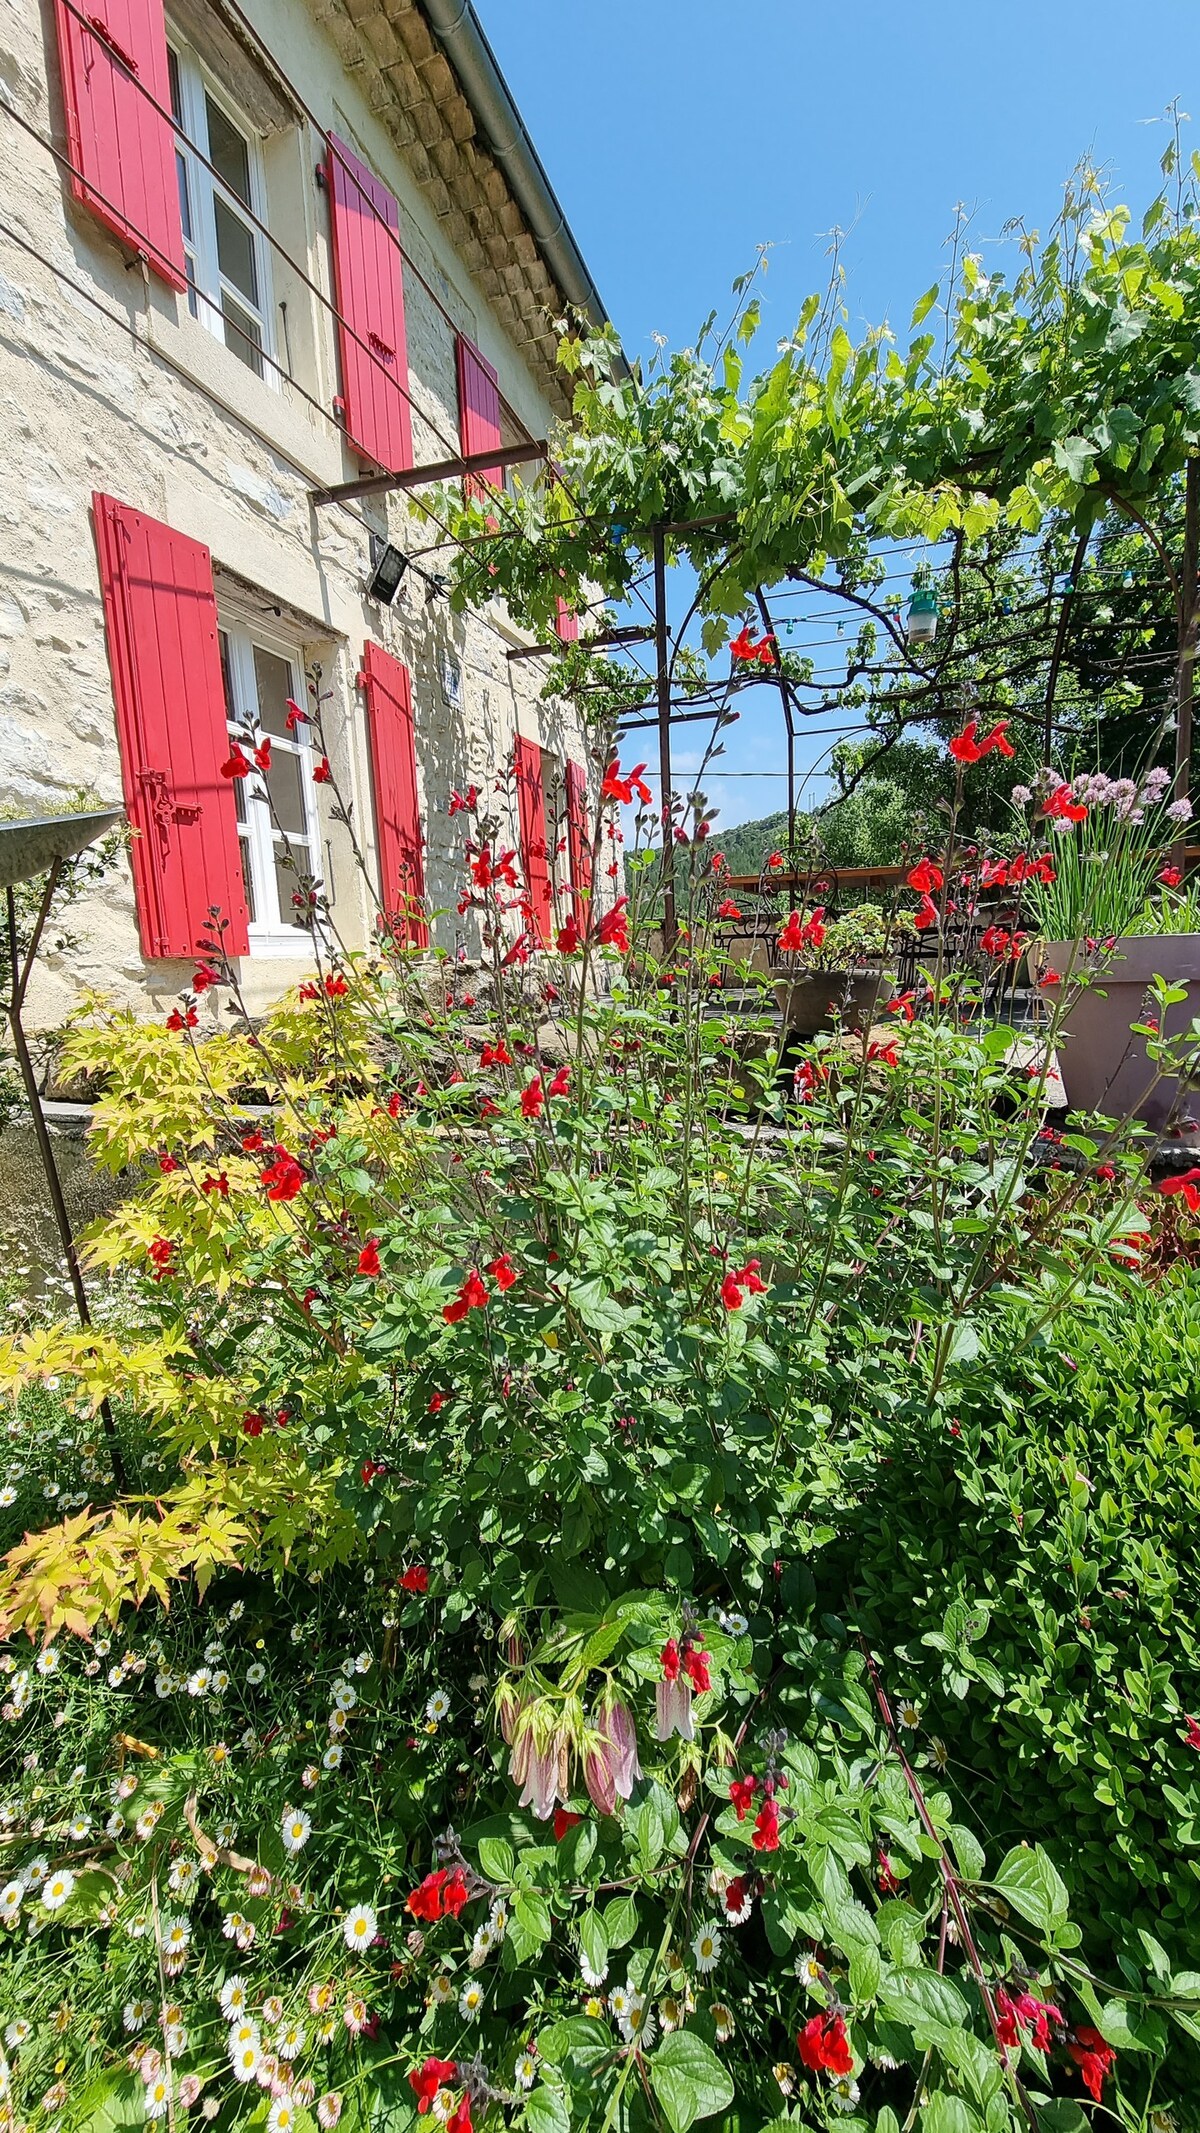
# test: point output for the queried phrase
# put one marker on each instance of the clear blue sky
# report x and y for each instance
(680, 134)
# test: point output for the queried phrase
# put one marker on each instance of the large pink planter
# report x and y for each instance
(1105, 1067)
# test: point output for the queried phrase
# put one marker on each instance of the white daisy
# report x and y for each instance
(437, 1707)
(232, 1997)
(359, 1926)
(844, 2094)
(618, 2004)
(176, 1934)
(148, 1820)
(175, 2037)
(281, 2117)
(34, 1870)
(909, 1714)
(220, 1682)
(525, 2071)
(289, 2040)
(363, 1662)
(345, 1695)
(57, 1889)
(329, 2110)
(332, 1758)
(165, 1683)
(441, 1992)
(236, 1611)
(47, 1661)
(273, 2008)
(158, 2096)
(734, 1625)
(8, 1495)
(338, 1723)
(256, 1673)
(638, 2026)
(245, 2062)
(80, 1829)
(241, 2034)
(310, 1776)
(10, 1902)
(707, 1949)
(470, 2002)
(592, 1978)
(297, 1828)
(16, 2033)
(723, 2022)
(200, 1682)
(184, 1878)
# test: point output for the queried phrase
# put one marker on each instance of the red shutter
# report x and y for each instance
(478, 414)
(531, 807)
(370, 299)
(579, 843)
(392, 733)
(566, 623)
(122, 147)
(160, 616)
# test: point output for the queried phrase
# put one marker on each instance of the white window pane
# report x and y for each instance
(287, 793)
(243, 335)
(273, 677)
(228, 151)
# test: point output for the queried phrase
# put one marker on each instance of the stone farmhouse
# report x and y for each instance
(252, 251)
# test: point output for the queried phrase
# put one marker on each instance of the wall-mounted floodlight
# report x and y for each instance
(388, 565)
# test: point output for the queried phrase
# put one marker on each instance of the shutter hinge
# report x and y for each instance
(322, 177)
(360, 679)
(339, 407)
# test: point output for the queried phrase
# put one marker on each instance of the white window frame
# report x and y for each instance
(200, 251)
(270, 933)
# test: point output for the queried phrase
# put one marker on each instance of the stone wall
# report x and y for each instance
(138, 399)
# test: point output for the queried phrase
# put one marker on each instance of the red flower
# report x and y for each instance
(561, 1084)
(203, 978)
(496, 1054)
(336, 986)
(695, 1666)
(182, 1019)
(737, 1900)
(308, 991)
(1193, 1732)
(885, 1053)
(995, 943)
(745, 1278)
(564, 1821)
(904, 1004)
(322, 773)
(252, 1143)
(767, 655)
(824, 2046)
(741, 1792)
(670, 1660)
(926, 914)
(262, 754)
(1063, 803)
(993, 873)
(437, 1400)
(885, 1876)
(766, 1827)
(742, 646)
(775, 861)
(1171, 877)
(284, 1179)
(1188, 1186)
(161, 1253)
(615, 787)
(167, 1163)
(532, 1098)
(428, 2079)
(997, 739)
(728, 909)
(1023, 2011)
(425, 1901)
(613, 930)
(1093, 2057)
(502, 1271)
(964, 747)
(471, 1297)
(926, 876)
(218, 1184)
(294, 716)
(369, 1469)
(236, 765)
(1050, 977)
(252, 1423)
(464, 802)
(1105, 1173)
(415, 1578)
(569, 940)
(791, 940)
(459, 2120)
(368, 1258)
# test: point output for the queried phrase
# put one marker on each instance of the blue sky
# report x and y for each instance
(680, 134)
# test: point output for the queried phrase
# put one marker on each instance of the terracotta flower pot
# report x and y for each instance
(809, 1002)
(1104, 1066)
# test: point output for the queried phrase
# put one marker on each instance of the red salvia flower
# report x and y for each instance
(218, 1184)
(322, 773)
(904, 1004)
(1063, 805)
(615, 787)
(742, 1279)
(964, 747)
(926, 914)
(613, 930)
(766, 1827)
(741, 1792)
(1093, 2056)
(162, 1257)
(252, 1143)
(294, 716)
(284, 1179)
(182, 1018)
(415, 1578)
(203, 978)
(471, 1297)
(502, 1271)
(1170, 877)
(336, 985)
(926, 876)
(426, 2080)
(368, 1258)
(459, 2120)
(775, 862)
(167, 1163)
(533, 1098)
(564, 1821)
(262, 754)
(728, 909)
(569, 940)
(671, 1661)
(886, 1054)
(425, 1901)
(464, 802)
(252, 1423)
(496, 1054)
(824, 2046)
(696, 1667)
(1189, 1185)
(236, 764)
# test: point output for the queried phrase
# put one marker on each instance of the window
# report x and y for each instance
(226, 257)
(277, 825)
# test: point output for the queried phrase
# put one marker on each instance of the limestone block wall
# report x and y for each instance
(107, 383)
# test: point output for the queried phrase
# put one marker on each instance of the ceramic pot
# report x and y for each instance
(809, 1003)
(1104, 1066)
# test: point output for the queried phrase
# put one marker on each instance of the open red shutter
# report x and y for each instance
(370, 301)
(579, 843)
(123, 148)
(390, 726)
(478, 414)
(566, 623)
(531, 808)
(160, 616)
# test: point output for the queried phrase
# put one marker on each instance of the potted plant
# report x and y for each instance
(1109, 923)
(843, 970)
